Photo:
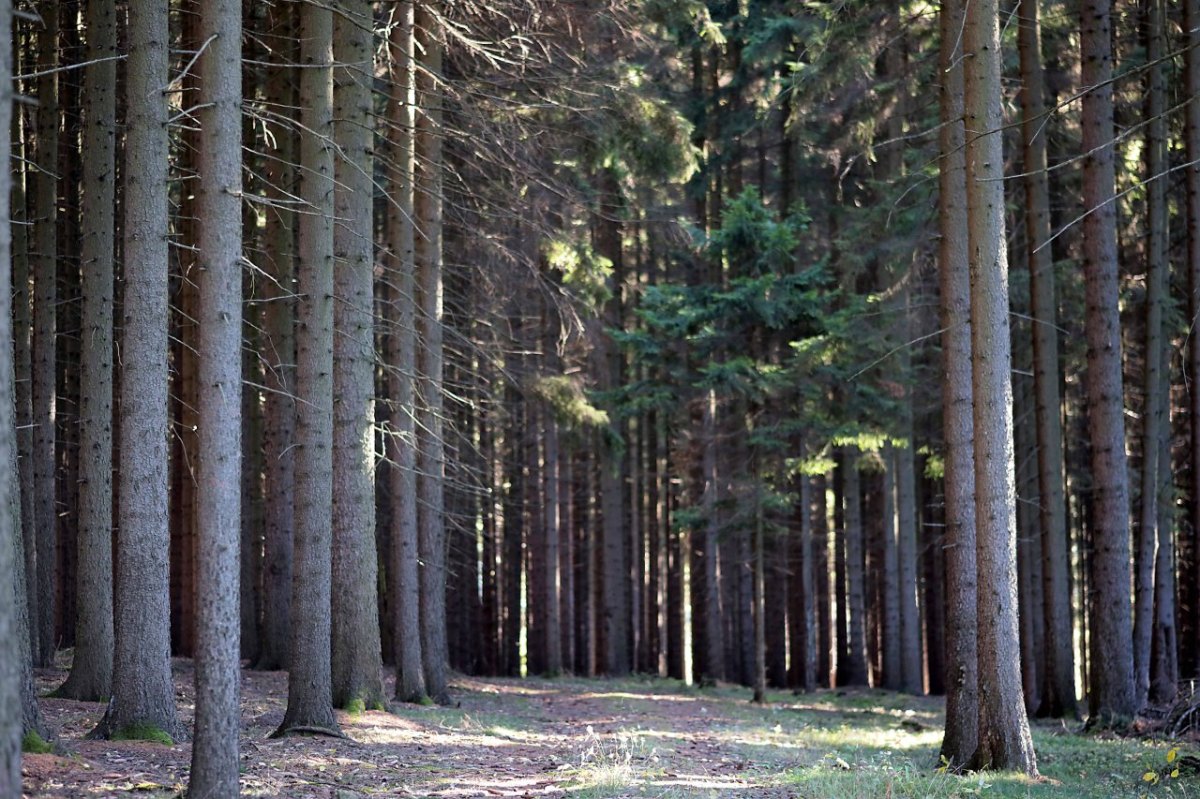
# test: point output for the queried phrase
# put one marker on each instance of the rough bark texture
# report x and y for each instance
(550, 521)
(143, 693)
(1191, 24)
(1058, 653)
(214, 771)
(11, 656)
(310, 690)
(1004, 740)
(22, 366)
(912, 665)
(1112, 697)
(91, 666)
(279, 356)
(357, 653)
(1155, 410)
(1159, 677)
(892, 670)
(431, 460)
(410, 680)
(854, 670)
(44, 218)
(1164, 651)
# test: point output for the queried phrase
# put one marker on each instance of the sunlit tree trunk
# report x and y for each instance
(143, 692)
(357, 667)
(1004, 739)
(215, 765)
(310, 691)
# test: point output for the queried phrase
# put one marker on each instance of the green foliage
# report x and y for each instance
(356, 706)
(142, 732)
(34, 744)
(570, 403)
(585, 274)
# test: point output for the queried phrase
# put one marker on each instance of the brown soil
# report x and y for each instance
(503, 737)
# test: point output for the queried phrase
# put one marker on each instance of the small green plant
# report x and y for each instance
(34, 744)
(356, 706)
(143, 732)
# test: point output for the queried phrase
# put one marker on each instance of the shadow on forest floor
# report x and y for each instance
(593, 739)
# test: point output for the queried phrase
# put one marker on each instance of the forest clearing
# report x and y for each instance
(599, 739)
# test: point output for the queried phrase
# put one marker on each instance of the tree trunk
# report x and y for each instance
(1191, 25)
(912, 665)
(1112, 698)
(431, 462)
(143, 693)
(91, 667)
(11, 656)
(1164, 652)
(1155, 410)
(854, 671)
(22, 357)
(310, 690)
(279, 417)
(1004, 740)
(214, 771)
(410, 679)
(44, 218)
(892, 669)
(1058, 695)
(357, 659)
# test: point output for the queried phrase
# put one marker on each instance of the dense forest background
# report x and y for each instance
(786, 344)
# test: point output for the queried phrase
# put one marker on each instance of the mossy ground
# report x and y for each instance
(143, 732)
(34, 744)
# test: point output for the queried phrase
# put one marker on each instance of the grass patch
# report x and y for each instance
(143, 732)
(34, 744)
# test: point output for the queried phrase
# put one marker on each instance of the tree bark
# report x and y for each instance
(1155, 410)
(357, 665)
(431, 461)
(11, 656)
(279, 417)
(91, 667)
(1004, 739)
(310, 690)
(143, 693)
(1058, 695)
(410, 682)
(1191, 26)
(854, 671)
(44, 218)
(215, 766)
(1112, 698)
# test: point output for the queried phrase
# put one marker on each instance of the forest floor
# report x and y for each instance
(596, 739)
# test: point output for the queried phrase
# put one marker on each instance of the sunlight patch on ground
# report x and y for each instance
(603, 695)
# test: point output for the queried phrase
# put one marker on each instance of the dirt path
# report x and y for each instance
(585, 738)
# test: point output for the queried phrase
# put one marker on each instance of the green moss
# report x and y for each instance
(34, 744)
(356, 706)
(143, 732)
(426, 701)
(380, 705)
